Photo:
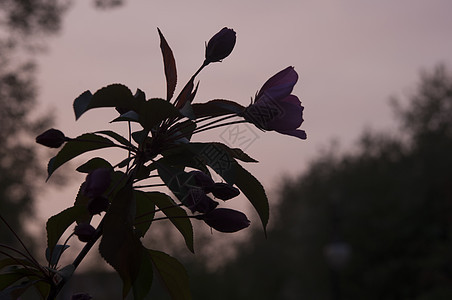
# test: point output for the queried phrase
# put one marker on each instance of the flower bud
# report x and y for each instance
(97, 182)
(224, 191)
(98, 205)
(220, 45)
(202, 180)
(197, 200)
(225, 220)
(81, 296)
(52, 138)
(84, 232)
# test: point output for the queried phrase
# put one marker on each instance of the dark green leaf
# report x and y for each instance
(84, 143)
(155, 110)
(119, 246)
(170, 66)
(58, 224)
(176, 215)
(142, 285)
(217, 107)
(16, 261)
(82, 201)
(145, 211)
(173, 275)
(93, 164)
(115, 95)
(15, 291)
(185, 95)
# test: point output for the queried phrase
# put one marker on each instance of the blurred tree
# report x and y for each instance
(389, 201)
(24, 24)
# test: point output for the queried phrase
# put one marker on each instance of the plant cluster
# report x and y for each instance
(159, 151)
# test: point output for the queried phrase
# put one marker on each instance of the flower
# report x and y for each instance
(225, 220)
(97, 182)
(197, 200)
(275, 108)
(223, 191)
(52, 138)
(84, 232)
(220, 45)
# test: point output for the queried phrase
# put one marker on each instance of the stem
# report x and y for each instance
(31, 258)
(149, 185)
(157, 210)
(219, 125)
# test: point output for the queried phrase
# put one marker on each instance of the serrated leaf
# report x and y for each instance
(84, 143)
(170, 66)
(82, 201)
(114, 95)
(155, 110)
(143, 206)
(119, 246)
(185, 95)
(173, 275)
(142, 284)
(57, 224)
(176, 215)
(217, 107)
(93, 164)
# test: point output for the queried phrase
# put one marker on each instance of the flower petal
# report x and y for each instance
(279, 85)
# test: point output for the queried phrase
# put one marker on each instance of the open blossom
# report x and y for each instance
(275, 108)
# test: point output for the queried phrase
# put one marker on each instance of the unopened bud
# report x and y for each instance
(84, 232)
(220, 45)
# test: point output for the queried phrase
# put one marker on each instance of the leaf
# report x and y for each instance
(117, 137)
(187, 109)
(170, 66)
(57, 224)
(176, 214)
(16, 261)
(84, 143)
(54, 256)
(114, 95)
(173, 275)
(130, 116)
(119, 246)
(185, 95)
(93, 164)
(143, 206)
(15, 291)
(155, 110)
(217, 107)
(142, 284)
(82, 201)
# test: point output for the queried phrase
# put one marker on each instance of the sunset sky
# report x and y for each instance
(351, 56)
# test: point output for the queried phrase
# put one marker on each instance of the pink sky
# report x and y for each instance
(351, 57)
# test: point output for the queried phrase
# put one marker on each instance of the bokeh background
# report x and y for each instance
(352, 57)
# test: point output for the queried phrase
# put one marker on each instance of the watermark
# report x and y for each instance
(239, 136)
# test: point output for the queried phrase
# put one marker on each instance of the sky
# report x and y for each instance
(351, 57)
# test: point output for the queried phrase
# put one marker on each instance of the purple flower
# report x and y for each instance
(84, 232)
(223, 191)
(220, 45)
(197, 200)
(201, 179)
(225, 220)
(275, 108)
(81, 296)
(97, 182)
(52, 138)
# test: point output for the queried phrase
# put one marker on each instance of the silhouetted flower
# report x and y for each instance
(223, 191)
(97, 182)
(274, 107)
(197, 201)
(225, 220)
(98, 205)
(220, 45)
(201, 179)
(52, 138)
(84, 232)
